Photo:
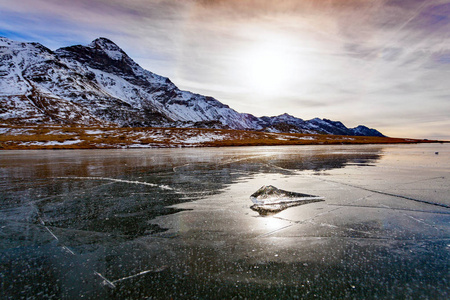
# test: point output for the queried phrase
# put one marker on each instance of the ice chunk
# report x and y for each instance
(272, 195)
(269, 199)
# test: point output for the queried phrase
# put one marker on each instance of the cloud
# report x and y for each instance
(355, 60)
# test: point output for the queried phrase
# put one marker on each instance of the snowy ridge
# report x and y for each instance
(99, 84)
(111, 49)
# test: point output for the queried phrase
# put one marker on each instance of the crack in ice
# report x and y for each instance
(161, 186)
(390, 208)
(387, 194)
(141, 273)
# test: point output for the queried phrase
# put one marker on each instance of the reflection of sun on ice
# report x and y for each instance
(270, 224)
(269, 66)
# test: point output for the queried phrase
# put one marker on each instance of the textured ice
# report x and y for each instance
(269, 199)
(98, 224)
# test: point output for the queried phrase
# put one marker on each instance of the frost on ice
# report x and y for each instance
(269, 199)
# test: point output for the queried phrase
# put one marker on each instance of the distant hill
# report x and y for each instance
(100, 85)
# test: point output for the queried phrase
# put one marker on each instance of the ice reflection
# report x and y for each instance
(270, 224)
(177, 224)
(119, 191)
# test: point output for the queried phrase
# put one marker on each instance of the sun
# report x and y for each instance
(268, 67)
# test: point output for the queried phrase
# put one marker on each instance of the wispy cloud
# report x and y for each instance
(381, 62)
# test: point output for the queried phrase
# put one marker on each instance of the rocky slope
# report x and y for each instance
(99, 84)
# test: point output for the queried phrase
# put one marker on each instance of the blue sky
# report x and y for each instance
(381, 63)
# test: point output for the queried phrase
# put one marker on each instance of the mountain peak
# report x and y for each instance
(5, 40)
(109, 47)
(102, 41)
(287, 117)
(25, 47)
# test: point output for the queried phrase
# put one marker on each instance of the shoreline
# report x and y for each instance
(69, 137)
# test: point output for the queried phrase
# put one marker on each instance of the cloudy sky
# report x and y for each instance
(381, 63)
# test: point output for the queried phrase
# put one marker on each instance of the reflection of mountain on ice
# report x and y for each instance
(269, 199)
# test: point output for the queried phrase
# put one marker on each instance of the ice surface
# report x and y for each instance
(102, 224)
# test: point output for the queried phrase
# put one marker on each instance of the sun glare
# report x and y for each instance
(268, 67)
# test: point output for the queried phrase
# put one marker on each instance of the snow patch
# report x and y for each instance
(202, 138)
(50, 143)
(94, 132)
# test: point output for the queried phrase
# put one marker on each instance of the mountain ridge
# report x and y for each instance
(99, 84)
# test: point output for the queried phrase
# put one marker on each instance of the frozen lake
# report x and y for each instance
(177, 223)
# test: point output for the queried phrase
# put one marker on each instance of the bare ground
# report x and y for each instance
(70, 137)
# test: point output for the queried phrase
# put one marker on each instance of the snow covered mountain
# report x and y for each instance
(99, 84)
